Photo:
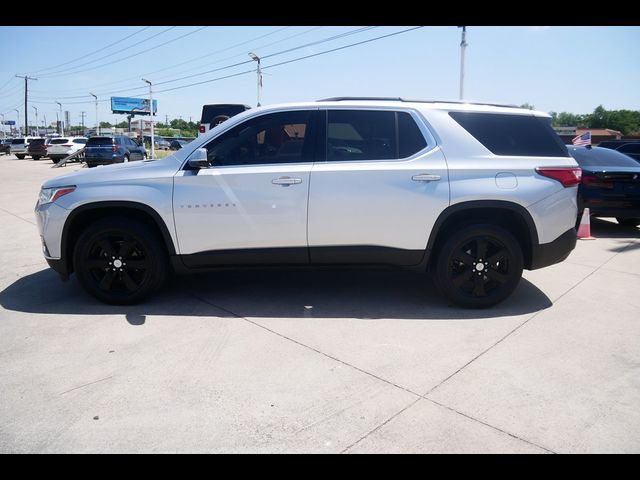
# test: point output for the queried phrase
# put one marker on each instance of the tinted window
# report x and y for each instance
(512, 134)
(274, 138)
(100, 141)
(37, 141)
(361, 135)
(59, 141)
(630, 148)
(410, 138)
(601, 157)
(81, 141)
(17, 141)
(209, 112)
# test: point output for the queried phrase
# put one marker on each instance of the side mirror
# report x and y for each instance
(199, 159)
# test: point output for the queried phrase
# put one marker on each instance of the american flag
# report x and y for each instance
(584, 139)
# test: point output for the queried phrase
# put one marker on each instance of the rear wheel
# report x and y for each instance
(36, 157)
(479, 266)
(20, 157)
(628, 222)
(119, 261)
(55, 160)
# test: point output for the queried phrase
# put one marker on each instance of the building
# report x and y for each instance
(597, 134)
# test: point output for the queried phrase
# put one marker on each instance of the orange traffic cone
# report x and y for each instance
(584, 230)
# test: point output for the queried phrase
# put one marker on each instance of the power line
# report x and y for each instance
(267, 67)
(181, 63)
(244, 62)
(94, 52)
(128, 57)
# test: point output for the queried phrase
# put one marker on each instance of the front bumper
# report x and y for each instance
(545, 254)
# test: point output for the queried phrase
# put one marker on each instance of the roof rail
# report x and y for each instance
(400, 99)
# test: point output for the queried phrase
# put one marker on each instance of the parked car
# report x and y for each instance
(610, 185)
(19, 146)
(334, 182)
(37, 148)
(116, 149)
(177, 144)
(215, 114)
(60, 148)
(161, 143)
(5, 146)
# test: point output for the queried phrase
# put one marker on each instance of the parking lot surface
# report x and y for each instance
(316, 360)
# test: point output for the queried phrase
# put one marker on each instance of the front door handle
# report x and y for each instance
(286, 181)
(425, 177)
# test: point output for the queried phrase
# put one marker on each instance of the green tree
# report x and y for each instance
(105, 125)
(528, 106)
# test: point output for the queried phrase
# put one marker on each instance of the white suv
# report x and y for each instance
(62, 147)
(472, 193)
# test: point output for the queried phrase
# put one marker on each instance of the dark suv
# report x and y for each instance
(37, 148)
(116, 149)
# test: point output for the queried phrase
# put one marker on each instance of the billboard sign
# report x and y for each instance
(9, 122)
(136, 106)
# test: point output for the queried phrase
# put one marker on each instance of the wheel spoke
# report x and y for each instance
(478, 286)
(97, 263)
(106, 246)
(126, 247)
(128, 281)
(136, 264)
(464, 257)
(482, 248)
(497, 276)
(496, 257)
(463, 277)
(107, 280)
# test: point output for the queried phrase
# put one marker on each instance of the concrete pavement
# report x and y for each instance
(316, 360)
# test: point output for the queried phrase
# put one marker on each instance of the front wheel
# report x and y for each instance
(119, 261)
(478, 266)
(20, 157)
(628, 222)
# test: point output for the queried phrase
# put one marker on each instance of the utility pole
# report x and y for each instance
(61, 125)
(4, 134)
(82, 114)
(18, 125)
(463, 45)
(259, 72)
(37, 127)
(97, 124)
(26, 98)
(153, 151)
(46, 126)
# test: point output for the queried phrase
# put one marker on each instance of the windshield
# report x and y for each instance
(17, 141)
(601, 157)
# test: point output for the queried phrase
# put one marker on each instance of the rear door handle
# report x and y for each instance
(286, 181)
(425, 177)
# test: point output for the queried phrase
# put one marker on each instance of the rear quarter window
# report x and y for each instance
(512, 135)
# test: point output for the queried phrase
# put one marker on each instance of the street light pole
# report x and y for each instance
(463, 45)
(37, 127)
(97, 124)
(61, 124)
(153, 151)
(18, 125)
(259, 72)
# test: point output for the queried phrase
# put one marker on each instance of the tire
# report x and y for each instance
(463, 279)
(628, 222)
(126, 159)
(119, 261)
(144, 156)
(20, 157)
(36, 158)
(55, 160)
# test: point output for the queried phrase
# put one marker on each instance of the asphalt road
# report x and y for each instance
(316, 360)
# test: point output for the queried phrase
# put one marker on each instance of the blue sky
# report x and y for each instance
(570, 69)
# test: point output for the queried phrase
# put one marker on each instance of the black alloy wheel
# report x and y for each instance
(479, 266)
(119, 261)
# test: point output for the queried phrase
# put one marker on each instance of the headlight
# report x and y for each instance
(49, 195)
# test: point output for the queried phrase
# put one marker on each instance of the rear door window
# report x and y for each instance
(512, 135)
(354, 135)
